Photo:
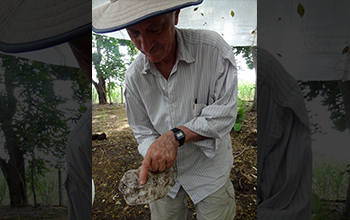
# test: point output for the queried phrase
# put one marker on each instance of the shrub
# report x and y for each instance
(330, 179)
(246, 90)
(240, 115)
(3, 190)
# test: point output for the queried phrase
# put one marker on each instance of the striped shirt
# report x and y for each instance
(284, 144)
(201, 94)
(79, 166)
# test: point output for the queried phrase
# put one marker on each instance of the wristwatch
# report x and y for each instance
(179, 136)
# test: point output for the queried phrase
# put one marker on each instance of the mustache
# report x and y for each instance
(154, 49)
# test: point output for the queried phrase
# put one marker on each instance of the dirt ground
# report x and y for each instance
(112, 157)
(28, 212)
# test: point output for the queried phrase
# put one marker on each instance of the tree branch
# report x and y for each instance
(95, 83)
(247, 148)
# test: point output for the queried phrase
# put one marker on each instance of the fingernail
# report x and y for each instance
(141, 182)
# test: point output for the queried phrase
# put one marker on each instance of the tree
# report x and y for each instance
(246, 54)
(13, 170)
(344, 87)
(249, 54)
(31, 118)
(108, 62)
(332, 98)
(97, 59)
(336, 95)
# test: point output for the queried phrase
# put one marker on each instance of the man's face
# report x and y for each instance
(155, 37)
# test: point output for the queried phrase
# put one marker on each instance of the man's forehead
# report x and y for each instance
(160, 19)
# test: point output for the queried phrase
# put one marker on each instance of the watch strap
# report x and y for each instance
(180, 140)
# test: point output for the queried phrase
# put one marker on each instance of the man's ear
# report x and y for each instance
(177, 16)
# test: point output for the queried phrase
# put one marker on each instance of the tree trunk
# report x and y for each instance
(14, 170)
(121, 94)
(109, 91)
(346, 212)
(255, 101)
(101, 90)
(60, 193)
(101, 85)
(14, 173)
(33, 181)
(344, 87)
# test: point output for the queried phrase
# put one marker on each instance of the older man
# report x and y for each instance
(181, 102)
(182, 91)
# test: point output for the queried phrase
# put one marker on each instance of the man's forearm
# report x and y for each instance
(190, 135)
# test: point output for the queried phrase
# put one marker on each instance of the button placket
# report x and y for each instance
(172, 100)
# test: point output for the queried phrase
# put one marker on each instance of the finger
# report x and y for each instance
(169, 164)
(144, 170)
(161, 167)
(154, 166)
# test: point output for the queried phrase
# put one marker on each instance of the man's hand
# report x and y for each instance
(161, 155)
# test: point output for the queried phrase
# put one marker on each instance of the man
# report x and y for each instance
(284, 144)
(32, 25)
(78, 153)
(181, 102)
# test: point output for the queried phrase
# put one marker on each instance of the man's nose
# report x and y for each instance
(146, 43)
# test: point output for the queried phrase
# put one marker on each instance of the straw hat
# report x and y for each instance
(119, 14)
(27, 25)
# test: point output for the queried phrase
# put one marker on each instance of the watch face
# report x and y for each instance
(179, 135)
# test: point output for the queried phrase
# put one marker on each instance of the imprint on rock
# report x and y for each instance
(157, 186)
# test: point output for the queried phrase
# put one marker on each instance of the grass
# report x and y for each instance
(246, 90)
(330, 179)
(48, 189)
(47, 192)
(115, 95)
(103, 117)
(330, 182)
(3, 190)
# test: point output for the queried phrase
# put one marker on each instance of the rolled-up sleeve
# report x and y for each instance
(217, 119)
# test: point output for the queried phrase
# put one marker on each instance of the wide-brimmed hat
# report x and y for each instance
(27, 25)
(119, 14)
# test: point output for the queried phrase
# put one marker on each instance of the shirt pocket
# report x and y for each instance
(197, 109)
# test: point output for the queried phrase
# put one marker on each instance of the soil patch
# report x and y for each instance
(29, 212)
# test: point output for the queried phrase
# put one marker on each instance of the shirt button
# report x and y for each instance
(163, 88)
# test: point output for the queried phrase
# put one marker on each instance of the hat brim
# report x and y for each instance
(33, 25)
(124, 13)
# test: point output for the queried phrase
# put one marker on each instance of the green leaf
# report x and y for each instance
(237, 127)
(316, 204)
(239, 102)
(232, 14)
(301, 10)
(345, 50)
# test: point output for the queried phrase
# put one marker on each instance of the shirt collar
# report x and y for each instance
(147, 64)
(182, 54)
(182, 51)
